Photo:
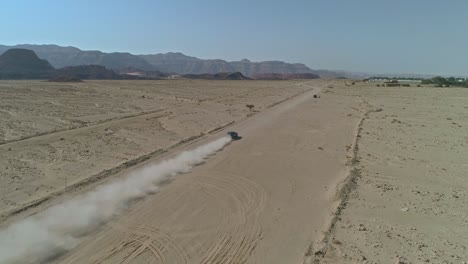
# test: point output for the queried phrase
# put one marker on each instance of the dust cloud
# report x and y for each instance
(59, 228)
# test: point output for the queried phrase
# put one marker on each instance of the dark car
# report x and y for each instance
(234, 135)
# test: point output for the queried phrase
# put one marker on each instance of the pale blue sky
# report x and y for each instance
(425, 36)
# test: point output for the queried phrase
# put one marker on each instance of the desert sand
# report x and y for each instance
(276, 184)
(407, 201)
(263, 199)
(56, 136)
(363, 174)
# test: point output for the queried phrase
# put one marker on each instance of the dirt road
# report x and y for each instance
(264, 199)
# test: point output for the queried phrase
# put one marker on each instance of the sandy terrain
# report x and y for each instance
(278, 183)
(55, 135)
(363, 174)
(410, 202)
(263, 199)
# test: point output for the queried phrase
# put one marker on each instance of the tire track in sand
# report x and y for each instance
(234, 237)
(139, 240)
(238, 231)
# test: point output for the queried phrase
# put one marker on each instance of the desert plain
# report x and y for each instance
(361, 174)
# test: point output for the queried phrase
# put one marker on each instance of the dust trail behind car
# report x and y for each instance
(60, 228)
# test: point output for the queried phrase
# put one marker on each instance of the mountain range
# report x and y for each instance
(24, 64)
(183, 64)
(172, 62)
(61, 57)
(18, 64)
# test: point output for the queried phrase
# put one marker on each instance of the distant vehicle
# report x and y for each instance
(234, 135)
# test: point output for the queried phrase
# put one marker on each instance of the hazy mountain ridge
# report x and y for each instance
(88, 72)
(285, 76)
(60, 57)
(279, 67)
(178, 63)
(183, 64)
(218, 76)
(25, 64)
(172, 62)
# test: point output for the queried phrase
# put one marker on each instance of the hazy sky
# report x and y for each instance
(426, 36)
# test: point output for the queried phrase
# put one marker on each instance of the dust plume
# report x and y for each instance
(60, 227)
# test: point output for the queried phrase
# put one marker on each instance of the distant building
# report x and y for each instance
(390, 80)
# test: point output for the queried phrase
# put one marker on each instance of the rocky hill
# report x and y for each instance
(24, 64)
(217, 76)
(285, 76)
(252, 68)
(132, 71)
(89, 72)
